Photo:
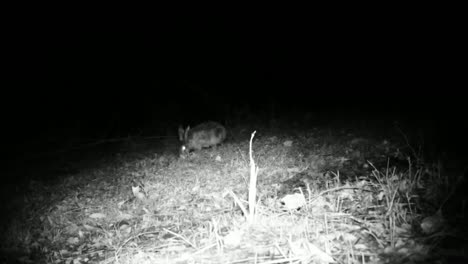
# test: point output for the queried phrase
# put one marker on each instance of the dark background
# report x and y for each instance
(98, 83)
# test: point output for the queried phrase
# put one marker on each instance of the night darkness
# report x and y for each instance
(69, 89)
(109, 83)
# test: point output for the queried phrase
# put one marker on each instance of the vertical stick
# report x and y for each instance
(252, 184)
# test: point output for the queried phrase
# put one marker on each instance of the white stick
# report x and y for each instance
(253, 183)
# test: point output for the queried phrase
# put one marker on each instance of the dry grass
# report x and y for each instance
(350, 205)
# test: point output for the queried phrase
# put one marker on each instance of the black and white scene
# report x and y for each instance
(233, 140)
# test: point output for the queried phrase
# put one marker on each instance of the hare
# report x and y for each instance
(204, 135)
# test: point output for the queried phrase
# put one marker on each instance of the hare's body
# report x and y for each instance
(201, 136)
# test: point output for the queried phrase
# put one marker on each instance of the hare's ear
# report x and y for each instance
(186, 133)
(181, 133)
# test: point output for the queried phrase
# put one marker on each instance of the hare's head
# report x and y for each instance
(183, 138)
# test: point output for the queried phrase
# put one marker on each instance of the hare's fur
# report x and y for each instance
(204, 135)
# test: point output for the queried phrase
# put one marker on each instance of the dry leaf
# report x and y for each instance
(233, 239)
(293, 201)
(121, 203)
(322, 256)
(73, 240)
(360, 247)
(139, 192)
(97, 215)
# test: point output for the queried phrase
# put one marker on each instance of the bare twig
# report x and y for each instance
(253, 183)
